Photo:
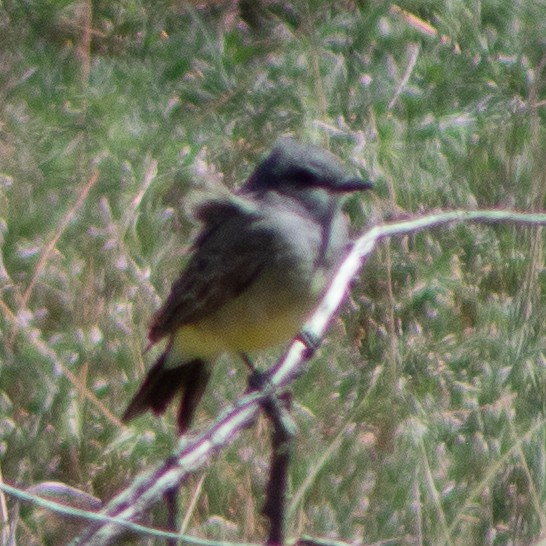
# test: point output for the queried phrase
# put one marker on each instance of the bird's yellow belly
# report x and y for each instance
(270, 312)
(233, 331)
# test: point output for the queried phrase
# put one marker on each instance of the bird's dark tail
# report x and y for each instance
(161, 384)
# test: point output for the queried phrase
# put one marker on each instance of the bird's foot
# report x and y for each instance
(310, 340)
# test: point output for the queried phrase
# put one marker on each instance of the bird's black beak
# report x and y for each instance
(353, 184)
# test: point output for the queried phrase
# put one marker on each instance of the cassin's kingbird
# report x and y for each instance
(260, 263)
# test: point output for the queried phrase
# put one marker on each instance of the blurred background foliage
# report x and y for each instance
(421, 420)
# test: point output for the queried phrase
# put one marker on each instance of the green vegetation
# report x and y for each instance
(422, 418)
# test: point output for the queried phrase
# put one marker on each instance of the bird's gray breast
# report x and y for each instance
(305, 248)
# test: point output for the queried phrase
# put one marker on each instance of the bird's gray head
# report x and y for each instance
(293, 167)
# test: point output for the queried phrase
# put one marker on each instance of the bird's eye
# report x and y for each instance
(303, 177)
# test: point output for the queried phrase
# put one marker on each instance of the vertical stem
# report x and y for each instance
(281, 439)
(537, 196)
(83, 47)
(170, 497)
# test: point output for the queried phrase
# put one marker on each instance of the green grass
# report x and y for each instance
(421, 420)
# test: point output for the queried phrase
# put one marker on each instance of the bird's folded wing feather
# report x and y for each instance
(228, 256)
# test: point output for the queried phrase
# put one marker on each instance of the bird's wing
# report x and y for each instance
(213, 211)
(228, 256)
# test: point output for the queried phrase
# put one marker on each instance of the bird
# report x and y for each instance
(260, 263)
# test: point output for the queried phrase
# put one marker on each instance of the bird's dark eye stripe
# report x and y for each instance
(303, 176)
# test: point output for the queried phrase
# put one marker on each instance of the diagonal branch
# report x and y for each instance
(194, 452)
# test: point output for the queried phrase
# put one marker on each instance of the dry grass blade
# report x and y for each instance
(48, 248)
